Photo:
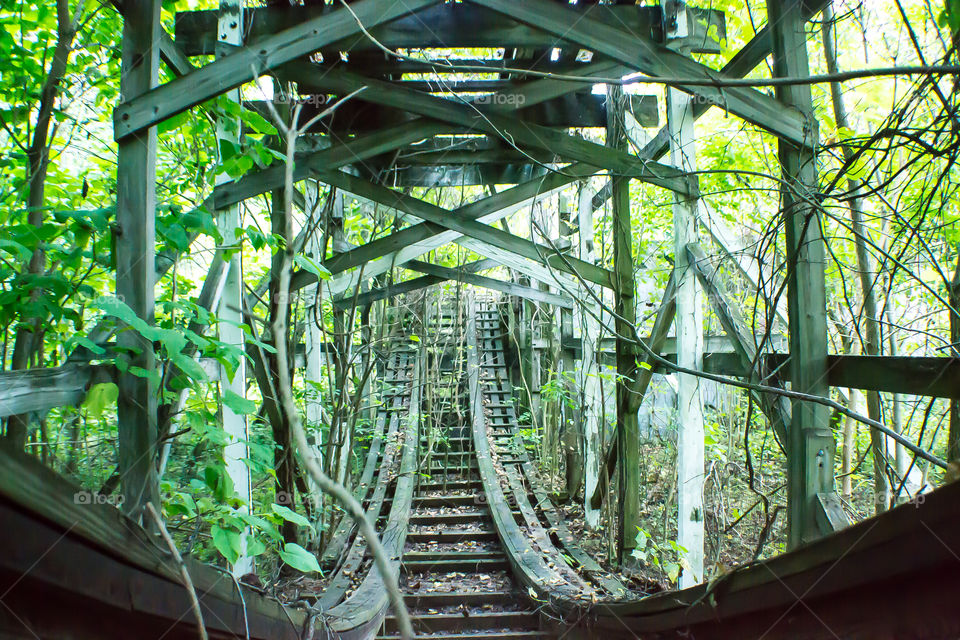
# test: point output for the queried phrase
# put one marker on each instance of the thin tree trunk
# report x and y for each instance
(849, 431)
(865, 267)
(284, 460)
(28, 339)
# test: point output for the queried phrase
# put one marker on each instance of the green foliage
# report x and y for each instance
(299, 558)
(668, 557)
(99, 397)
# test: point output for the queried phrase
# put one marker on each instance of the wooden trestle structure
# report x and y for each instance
(108, 576)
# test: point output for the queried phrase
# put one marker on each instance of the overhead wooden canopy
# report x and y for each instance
(419, 120)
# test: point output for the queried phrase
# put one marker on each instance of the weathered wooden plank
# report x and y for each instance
(656, 343)
(587, 376)
(39, 390)
(363, 611)
(478, 210)
(447, 26)
(624, 290)
(370, 145)
(230, 310)
(838, 575)
(453, 175)
(581, 109)
(656, 60)
(158, 104)
(108, 575)
(528, 564)
(916, 375)
(688, 323)
(753, 53)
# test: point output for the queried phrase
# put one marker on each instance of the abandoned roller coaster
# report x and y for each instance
(403, 362)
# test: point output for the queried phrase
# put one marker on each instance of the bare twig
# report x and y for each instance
(289, 408)
(187, 582)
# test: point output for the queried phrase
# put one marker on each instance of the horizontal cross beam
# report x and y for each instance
(442, 217)
(446, 26)
(643, 55)
(412, 241)
(510, 288)
(489, 121)
(373, 144)
(251, 62)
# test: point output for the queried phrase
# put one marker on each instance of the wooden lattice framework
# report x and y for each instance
(524, 116)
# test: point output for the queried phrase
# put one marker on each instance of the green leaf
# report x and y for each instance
(299, 558)
(84, 341)
(312, 266)
(290, 515)
(238, 404)
(190, 367)
(227, 542)
(673, 571)
(255, 546)
(99, 397)
(24, 253)
(219, 482)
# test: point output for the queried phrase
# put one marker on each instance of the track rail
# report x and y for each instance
(465, 502)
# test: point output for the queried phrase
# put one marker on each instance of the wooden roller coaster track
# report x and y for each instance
(480, 550)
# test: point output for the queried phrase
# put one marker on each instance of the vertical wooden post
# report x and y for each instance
(811, 447)
(628, 437)
(689, 331)
(953, 440)
(571, 426)
(588, 371)
(135, 248)
(230, 35)
(529, 360)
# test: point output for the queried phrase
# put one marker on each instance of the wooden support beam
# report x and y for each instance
(108, 576)
(446, 26)
(41, 389)
(390, 291)
(656, 60)
(158, 104)
(230, 26)
(453, 175)
(386, 140)
(333, 157)
(753, 53)
(135, 249)
(776, 408)
(953, 435)
(588, 372)
(482, 210)
(658, 337)
(688, 321)
(522, 266)
(500, 239)
(624, 291)
(572, 433)
(574, 110)
(810, 449)
(489, 121)
(509, 288)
